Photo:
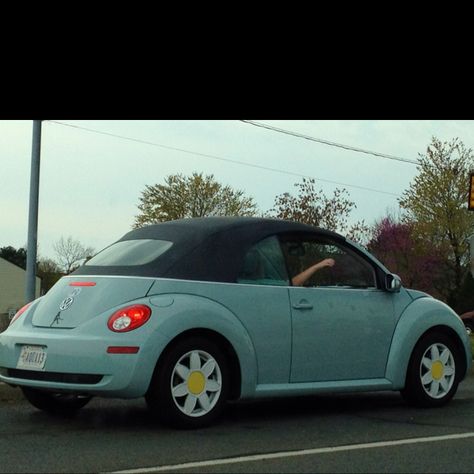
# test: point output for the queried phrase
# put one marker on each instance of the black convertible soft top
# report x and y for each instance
(205, 248)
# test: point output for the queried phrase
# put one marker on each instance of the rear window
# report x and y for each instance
(130, 253)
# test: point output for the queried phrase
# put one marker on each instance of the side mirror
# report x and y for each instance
(393, 283)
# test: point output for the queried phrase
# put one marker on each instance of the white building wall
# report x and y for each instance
(12, 288)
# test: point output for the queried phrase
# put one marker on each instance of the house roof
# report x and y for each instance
(14, 265)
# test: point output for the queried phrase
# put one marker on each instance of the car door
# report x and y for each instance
(342, 322)
(265, 309)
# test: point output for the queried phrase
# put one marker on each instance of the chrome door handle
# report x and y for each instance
(303, 305)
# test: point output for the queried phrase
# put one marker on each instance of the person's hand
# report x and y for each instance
(328, 262)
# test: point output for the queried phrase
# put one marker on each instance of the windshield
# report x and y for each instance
(130, 253)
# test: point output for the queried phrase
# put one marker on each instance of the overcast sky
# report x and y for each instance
(90, 182)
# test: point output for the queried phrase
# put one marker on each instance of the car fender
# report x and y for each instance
(178, 313)
(418, 317)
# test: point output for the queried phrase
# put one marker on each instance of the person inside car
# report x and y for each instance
(301, 278)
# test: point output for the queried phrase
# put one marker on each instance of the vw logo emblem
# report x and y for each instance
(66, 303)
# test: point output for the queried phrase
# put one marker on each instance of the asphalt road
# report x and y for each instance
(374, 432)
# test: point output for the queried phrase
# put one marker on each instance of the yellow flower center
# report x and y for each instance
(437, 370)
(196, 382)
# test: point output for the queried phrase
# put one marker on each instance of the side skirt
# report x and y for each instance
(308, 388)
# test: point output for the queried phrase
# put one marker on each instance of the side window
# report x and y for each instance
(264, 264)
(347, 268)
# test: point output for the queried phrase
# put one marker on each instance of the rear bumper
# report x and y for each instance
(80, 363)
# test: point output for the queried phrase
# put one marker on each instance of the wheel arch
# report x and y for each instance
(454, 336)
(223, 343)
(422, 317)
(191, 313)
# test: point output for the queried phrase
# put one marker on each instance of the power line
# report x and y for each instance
(327, 142)
(214, 157)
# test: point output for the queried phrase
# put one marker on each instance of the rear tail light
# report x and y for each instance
(20, 312)
(129, 318)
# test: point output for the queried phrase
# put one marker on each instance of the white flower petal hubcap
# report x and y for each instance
(196, 383)
(437, 370)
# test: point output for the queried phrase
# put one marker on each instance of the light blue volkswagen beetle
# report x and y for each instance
(195, 312)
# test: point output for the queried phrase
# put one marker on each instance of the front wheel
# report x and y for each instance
(55, 403)
(191, 383)
(432, 377)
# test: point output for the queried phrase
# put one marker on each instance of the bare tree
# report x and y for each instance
(71, 253)
(313, 207)
(50, 273)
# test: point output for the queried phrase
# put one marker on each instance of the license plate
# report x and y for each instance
(32, 358)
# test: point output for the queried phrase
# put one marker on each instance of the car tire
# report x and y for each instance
(55, 403)
(433, 371)
(190, 385)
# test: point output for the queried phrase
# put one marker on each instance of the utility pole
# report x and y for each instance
(32, 246)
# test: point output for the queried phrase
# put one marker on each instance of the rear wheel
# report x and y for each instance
(55, 403)
(433, 372)
(190, 385)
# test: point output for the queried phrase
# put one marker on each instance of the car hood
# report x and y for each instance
(74, 300)
(415, 294)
